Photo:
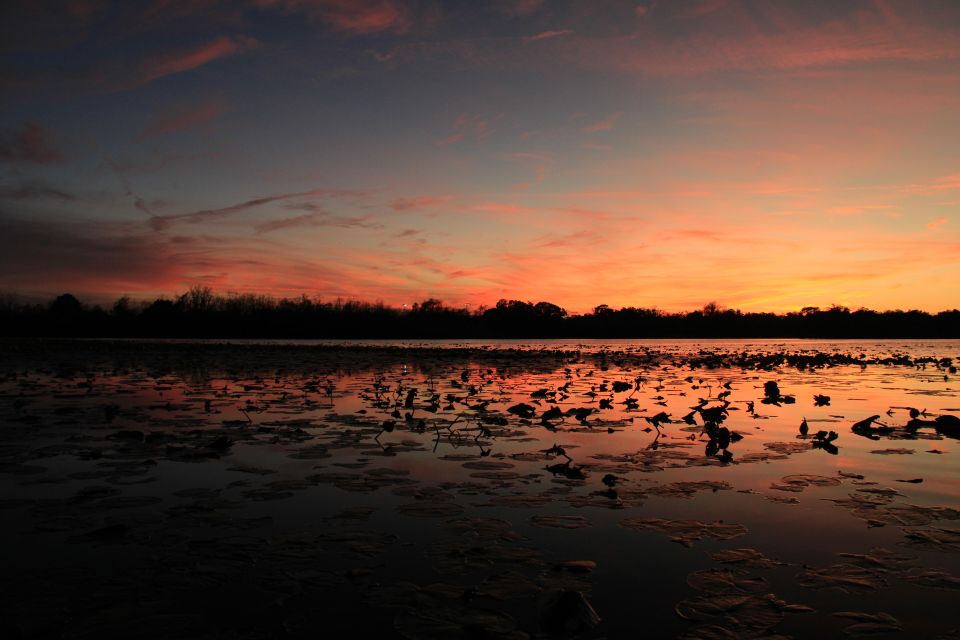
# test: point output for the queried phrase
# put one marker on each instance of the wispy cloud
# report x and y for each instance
(520, 8)
(417, 202)
(318, 219)
(935, 186)
(353, 16)
(30, 144)
(465, 126)
(34, 190)
(548, 35)
(946, 182)
(540, 164)
(858, 209)
(781, 39)
(180, 118)
(172, 62)
(604, 124)
(680, 40)
(159, 223)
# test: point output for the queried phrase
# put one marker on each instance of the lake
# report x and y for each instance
(480, 489)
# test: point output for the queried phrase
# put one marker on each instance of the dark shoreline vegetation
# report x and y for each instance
(200, 313)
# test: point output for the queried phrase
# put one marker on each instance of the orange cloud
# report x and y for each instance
(946, 182)
(499, 249)
(853, 210)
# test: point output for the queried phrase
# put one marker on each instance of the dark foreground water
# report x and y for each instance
(479, 490)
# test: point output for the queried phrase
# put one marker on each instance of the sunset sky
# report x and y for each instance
(665, 153)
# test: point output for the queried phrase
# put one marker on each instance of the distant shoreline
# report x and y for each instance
(200, 313)
(700, 351)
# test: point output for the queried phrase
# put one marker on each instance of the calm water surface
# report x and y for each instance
(478, 489)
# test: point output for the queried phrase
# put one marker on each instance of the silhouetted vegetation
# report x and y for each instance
(200, 313)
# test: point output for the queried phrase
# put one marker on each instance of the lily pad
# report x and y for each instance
(560, 522)
(686, 532)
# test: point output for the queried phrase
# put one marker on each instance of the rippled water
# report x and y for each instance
(477, 489)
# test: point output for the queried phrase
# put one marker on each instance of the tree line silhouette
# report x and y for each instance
(200, 313)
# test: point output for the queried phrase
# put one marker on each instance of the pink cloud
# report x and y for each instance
(453, 138)
(548, 35)
(419, 202)
(521, 8)
(182, 118)
(539, 163)
(720, 37)
(780, 39)
(465, 126)
(604, 124)
(160, 223)
(171, 63)
(353, 16)
(705, 7)
(30, 144)
(934, 225)
(316, 219)
(504, 208)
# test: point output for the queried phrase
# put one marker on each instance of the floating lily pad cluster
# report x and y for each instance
(210, 491)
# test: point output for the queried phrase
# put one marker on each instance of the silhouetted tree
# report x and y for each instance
(66, 305)
(202, 313)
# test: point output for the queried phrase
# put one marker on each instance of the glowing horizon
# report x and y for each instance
(762, 156)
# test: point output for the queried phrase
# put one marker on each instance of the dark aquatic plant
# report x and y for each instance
(867, 429)
(772, 395)
(658, 419)
(947, 425)
(557, 450)
(567, 469)
(551, 414)
(523, 410)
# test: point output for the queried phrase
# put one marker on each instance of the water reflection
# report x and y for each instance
(413, 493)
